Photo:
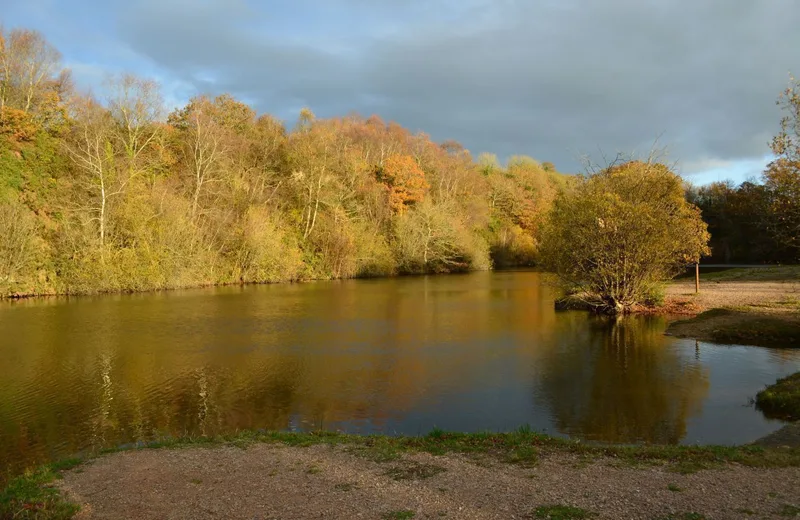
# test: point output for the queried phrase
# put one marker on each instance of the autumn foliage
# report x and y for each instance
(16, 125)
(760, 222)
(116, 194)
(621, 232)
(404, 180)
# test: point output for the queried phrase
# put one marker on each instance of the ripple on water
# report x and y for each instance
(400, 356)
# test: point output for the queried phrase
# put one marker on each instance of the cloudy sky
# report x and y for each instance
(554, 79)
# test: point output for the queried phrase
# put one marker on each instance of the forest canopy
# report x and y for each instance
(119, 194)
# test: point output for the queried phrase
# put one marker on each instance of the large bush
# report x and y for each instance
(622, 231)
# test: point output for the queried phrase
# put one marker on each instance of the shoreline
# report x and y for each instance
(740, 327)
(62, 489)
(230, 465)
(759, 307)
(35, 296)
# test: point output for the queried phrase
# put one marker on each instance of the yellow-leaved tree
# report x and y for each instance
(620, 233)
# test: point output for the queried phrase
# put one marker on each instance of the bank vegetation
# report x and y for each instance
(117, 193)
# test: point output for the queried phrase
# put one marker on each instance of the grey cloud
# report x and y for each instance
(554, 80)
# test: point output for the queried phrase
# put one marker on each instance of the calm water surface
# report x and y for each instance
(474, 352)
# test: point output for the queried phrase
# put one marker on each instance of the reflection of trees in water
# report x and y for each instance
(309, 356)
(618, 381)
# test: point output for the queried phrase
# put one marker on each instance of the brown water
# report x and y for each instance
(474, 352)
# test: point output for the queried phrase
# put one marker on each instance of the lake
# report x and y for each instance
(475, 352)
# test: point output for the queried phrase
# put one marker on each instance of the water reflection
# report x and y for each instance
(619, 381)
(476, 352)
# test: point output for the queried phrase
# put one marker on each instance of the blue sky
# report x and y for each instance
(557, 80)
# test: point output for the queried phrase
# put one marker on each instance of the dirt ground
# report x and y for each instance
(266, 481)
(748, 312)
(767, 296)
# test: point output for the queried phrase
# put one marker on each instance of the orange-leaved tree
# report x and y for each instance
(405, 181)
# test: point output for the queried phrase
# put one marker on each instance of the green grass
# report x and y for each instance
(789, 510)
(747, 326)
(561, 512)
(29, 495)
(404, 514)
(781, 400)
(762, 330)
(674, 488)
(760, 274)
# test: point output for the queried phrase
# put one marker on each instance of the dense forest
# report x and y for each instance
(751, 223)
(120, 194)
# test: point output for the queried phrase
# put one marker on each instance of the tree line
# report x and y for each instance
(757, 222)
(118, 194)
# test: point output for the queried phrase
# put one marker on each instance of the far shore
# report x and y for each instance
(758, 307)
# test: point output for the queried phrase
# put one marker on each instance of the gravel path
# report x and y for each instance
(266, 481)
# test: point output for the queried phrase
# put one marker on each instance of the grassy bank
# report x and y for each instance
(33, 495)
(781, 400)
(778, 273)
(741, 326)
(757, 306)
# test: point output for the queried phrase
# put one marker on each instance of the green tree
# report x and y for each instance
(622, 231)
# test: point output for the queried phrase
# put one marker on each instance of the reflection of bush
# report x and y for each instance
(616, 381)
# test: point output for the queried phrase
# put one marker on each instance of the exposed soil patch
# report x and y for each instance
(758, 312)
(766, 296)
(267, 481)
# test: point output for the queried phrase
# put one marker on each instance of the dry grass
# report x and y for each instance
(745, 306)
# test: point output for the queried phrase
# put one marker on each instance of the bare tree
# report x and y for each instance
(27, 64)
(17, 229)
(91, 149)
(136, 106)
(204, 149)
